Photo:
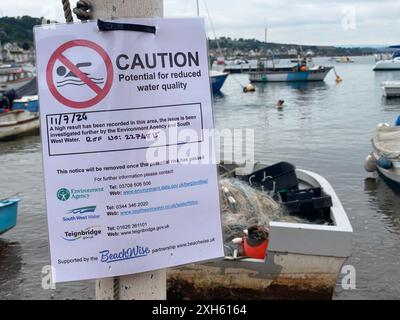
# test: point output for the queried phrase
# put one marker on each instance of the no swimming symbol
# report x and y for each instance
(77, 74)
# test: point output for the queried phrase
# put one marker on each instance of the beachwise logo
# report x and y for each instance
(85, 234)
(65, 194)
(106, 256)
(84, 213)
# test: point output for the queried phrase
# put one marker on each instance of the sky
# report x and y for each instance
(314, 22)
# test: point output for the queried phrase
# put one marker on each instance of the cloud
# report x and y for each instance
(307, 22)
(312, 21)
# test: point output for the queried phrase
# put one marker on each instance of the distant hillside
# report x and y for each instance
(228, 44)
(19, 29)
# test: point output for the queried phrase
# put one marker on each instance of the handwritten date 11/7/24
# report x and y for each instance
(68, 118)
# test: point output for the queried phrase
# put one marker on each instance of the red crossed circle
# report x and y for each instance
(101, 93)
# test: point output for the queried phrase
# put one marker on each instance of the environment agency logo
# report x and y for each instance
(63, 194)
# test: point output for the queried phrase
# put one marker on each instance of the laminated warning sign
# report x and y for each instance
(127, 135)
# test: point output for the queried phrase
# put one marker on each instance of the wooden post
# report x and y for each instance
(148, 285)
(111, 9)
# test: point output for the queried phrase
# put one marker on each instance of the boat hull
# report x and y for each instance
(8, 214)
(392, 175)
(303, 262)
(388, 65)
(18, 122)
(217, 81)
(289, 76)
(14, 85)
(29, 103)
(281, 276)
(391, 89)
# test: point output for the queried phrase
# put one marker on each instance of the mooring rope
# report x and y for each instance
(116, 288)
(82, 10)
(238, 82)
(67, 11)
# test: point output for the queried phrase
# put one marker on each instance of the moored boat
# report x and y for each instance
(385, 157)
(289, 74)
(220, 60)
(217, 80)
(389, 64)
(391, 89)
(236, 62)
(240, 68)
(8, 214)
(18, 122)
(13, 78)
(303, 261)
(29, 103)
(344, 60)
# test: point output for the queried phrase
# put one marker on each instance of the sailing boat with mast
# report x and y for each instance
(217, 78)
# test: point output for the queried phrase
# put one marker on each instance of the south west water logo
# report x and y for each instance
(88, 233)
(90, 209)
(84, 213)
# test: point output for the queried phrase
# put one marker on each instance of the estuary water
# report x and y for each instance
(324, 127)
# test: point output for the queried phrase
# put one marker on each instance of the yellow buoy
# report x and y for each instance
(249, 88)
(338, 79)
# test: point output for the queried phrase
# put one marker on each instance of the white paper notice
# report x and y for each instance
(131, 180)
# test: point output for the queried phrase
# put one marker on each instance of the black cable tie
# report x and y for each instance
(116, 26)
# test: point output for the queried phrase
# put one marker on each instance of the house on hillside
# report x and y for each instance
(11, 52)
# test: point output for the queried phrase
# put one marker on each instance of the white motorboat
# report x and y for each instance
(385, 157)
(391, 64)
(13, 77)
(303, 260)
(17, 122)
(391, 89)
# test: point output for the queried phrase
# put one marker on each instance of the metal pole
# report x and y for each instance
(265, 36)
(148, 285)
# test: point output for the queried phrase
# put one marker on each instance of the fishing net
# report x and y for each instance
(243, 206)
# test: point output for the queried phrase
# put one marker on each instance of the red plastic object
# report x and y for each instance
(256, 252)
